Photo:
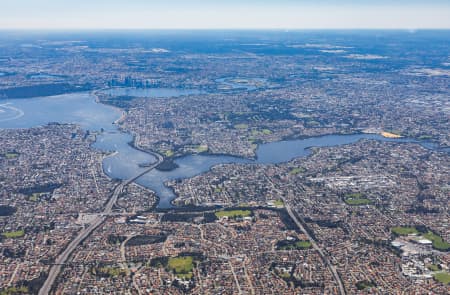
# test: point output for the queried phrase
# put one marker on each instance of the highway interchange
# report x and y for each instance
(87, 231)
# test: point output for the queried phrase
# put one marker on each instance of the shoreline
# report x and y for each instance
(170, 203)
(309, 150)
(251, 160)
(132, 143)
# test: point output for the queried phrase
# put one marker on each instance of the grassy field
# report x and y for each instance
(297, 171)
(14, 290)
(241, 126)
(259, 132)
(433, 267)
(201, 148)
(403, 231)
(438, 242)
(35, 197)
(362, 285)
(14, 234)
(356, 199)
(279, 203)
(11, 155)
(284, 275)
(442, 277)
(182, 266)
(169, 153)
(294, 245)
(233, 213)
(266, 132)
(358, 202)
(303, 245)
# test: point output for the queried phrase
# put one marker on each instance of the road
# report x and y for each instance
(235, 277)
(86, 232)
(331, 267)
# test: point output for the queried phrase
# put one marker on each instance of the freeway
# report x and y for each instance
(86, 232)
(331, 267)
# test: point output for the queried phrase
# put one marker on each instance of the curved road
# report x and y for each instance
(86, 232)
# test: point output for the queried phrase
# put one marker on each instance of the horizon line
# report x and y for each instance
(228, 29)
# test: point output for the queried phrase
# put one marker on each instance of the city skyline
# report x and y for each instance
(286, 14)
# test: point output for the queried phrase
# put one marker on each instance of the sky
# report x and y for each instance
(224, 14)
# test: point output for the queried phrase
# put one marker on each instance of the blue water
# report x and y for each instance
(270, 153)
(124, 161)
(78, 108)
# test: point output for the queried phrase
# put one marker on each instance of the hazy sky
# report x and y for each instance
(284, 14)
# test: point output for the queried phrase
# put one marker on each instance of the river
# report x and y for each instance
(124, 161)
